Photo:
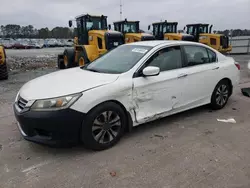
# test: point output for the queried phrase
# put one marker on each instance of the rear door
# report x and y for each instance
(202, 72)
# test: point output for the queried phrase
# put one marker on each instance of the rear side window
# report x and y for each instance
(212, 56)
(196, 55)
(212, 41)
(99, 42)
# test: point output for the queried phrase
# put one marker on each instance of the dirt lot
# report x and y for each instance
(191, 149)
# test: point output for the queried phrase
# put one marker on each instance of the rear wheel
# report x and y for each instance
(60, 62)
(68, 58)
(82, 60)
(3, 72)
(104, 126)
(220, 95)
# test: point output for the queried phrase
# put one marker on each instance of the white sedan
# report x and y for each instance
(133, 84)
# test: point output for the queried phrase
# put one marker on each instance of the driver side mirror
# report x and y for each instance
(151, 71)
(70, 23)
(149, 27)
(109, 27)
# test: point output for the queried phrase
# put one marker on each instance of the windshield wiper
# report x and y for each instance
(92, 70)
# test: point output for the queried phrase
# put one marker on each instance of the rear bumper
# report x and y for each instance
(225, 50)
(53, 128)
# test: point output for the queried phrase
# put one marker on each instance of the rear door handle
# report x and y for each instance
(215, 68)
(182, 75)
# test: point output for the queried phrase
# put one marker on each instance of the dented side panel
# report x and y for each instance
(156, 95)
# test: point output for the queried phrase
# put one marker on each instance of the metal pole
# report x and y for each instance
(120, 9)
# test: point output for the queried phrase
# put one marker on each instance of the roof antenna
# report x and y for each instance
(120, 9)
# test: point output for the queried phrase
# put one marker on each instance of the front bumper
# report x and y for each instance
(53, 128)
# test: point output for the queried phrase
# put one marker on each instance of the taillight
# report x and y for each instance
(237, 65)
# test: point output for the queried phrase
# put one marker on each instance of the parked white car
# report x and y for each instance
(130, 85)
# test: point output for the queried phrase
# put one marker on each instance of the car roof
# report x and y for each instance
(154, 43)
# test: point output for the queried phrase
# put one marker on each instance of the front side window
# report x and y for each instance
(155, 29)
(167, 59)
(196, 55)
(118, 60)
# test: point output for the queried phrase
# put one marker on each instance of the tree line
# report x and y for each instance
(17, 31)
(235, 32)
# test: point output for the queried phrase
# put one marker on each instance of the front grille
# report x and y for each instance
(21, 103)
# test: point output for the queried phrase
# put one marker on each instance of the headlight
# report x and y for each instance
(55, 103)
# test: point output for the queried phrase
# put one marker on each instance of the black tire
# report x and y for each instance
(70, 54)
(83, 55)
(104, 130)
(60, 63)
(3, 72)
(220, 95)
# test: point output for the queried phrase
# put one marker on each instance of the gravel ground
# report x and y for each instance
(32, 58)
(191, 149)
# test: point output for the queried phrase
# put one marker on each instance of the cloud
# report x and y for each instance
(223, 14)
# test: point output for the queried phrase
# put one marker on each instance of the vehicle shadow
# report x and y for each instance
(79, 149)
(169, 120)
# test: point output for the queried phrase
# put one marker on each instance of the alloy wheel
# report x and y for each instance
(106, 127)
(222, 94)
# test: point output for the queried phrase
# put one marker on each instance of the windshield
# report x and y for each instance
(130, 28)
(94, 24)
(118, 60)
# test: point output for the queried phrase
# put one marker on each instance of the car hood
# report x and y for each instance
(64, 82)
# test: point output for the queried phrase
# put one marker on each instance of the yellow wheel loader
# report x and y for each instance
(3, 66)
(168, 31)
(131, 31)
(203, 33)
(93, 40)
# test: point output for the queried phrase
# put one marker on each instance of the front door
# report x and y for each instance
(160, 94)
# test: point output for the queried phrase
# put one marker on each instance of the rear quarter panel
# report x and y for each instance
(229, 70)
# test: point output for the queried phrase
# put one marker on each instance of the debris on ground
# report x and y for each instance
(230, 120)
(207, 132)
(113, 174)
(234, 109)
(246, 91)
(159, 136)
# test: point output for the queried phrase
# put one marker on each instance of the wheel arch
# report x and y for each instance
(230, 84)
(129, 122)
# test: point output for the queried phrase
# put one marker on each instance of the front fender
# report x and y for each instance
(116, 91)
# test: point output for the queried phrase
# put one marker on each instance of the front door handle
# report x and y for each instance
(215, 68)
(182, 75)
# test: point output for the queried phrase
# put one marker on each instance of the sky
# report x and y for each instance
(223, 14)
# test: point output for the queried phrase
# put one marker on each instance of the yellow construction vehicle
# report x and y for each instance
(203, 33)
(131, 31)
(3, 66)
(168, 31)
(93, 39)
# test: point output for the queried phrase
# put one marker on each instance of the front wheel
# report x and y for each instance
(104, 126)
(220, 95)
